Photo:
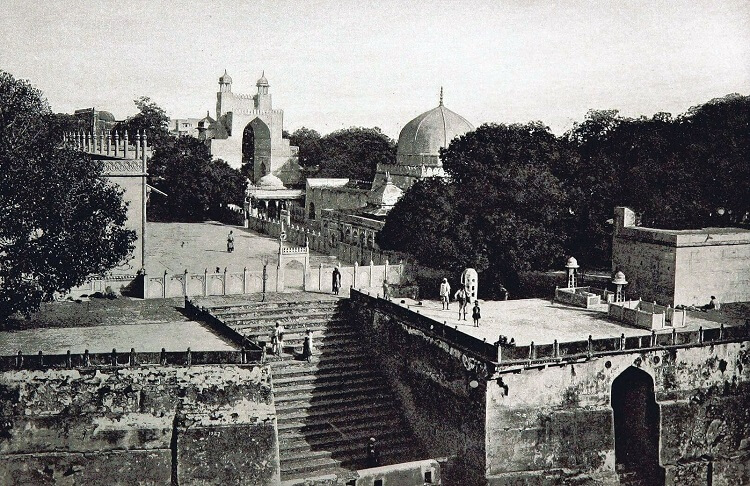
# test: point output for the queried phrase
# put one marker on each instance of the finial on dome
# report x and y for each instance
(441, 96)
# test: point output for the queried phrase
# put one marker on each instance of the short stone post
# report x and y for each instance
(41, 359)
(555, 349)
(114, 357)
(68, 360)
(700, 335)
(356, 271)
(532, 351)
(674, 336)
(372, 269)
(653, 338)
(185, 283)
(137, 145)
(590, 347)
(224, 282)
(385, 270)
(109, 142)
(622, 342)
(189, 357)
(19, 360)
(86, 358)
(163, 357)
(205, 282)
(244, 280)
(164, 285)
(117, 142)
(125, 143)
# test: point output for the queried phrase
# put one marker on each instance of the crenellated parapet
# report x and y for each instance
(121, 155)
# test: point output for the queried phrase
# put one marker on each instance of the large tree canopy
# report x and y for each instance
(151, 119)
(197, 187)
(502, 211)
(60, 221)
(352, 153)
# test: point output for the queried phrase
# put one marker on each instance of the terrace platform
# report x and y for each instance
(542, 322)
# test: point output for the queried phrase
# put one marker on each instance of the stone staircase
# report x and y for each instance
(328, 409)
(649, 476)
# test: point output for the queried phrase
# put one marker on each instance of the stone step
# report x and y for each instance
(343, 450)
(354, 425)
(310, 393)
(315, 325)
(335, 442)
(311, 425)
(317, 401)
(289, 359)
(309, 314)
(320, 368)
(344, 378)
(319, 336)
(301, 304)
(300, 468)
(321, 414)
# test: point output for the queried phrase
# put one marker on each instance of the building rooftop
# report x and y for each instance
(542, 322)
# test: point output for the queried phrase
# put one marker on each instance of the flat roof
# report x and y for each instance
(542, 322)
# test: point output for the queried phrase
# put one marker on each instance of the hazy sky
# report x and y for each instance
(338, 64)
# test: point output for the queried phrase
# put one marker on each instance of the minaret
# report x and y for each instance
(263, 98)
(224, 95)
(225, 83)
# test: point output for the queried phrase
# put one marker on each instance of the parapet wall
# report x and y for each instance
(150, 425)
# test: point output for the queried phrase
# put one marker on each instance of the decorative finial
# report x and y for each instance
(441, 96)
(263, 74)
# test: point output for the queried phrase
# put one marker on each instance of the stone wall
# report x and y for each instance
(141, 425)
(435, 387)
(556, 421)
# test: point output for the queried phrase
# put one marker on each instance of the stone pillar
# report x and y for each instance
(185, 283)
(356, 270)
(164, 285)
(205, 282)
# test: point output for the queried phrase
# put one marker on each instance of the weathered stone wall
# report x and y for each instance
(720, 270)
(434, 386)
(141, 425)
(556, 422)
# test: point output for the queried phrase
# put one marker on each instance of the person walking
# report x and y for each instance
(336, 280)
(461, 299)
(230, 242)
(307, 346)
(445, 294)
(476, 313)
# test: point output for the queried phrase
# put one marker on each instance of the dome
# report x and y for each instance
(571, 263)
(106, 116)
(225, 78)
(619, 279)
(420, 141)
(386, 195)
(262, 81)
(270, 181)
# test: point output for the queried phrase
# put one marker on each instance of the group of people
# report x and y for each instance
(463, 298)
(277, 342)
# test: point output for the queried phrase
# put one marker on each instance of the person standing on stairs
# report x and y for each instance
(277, 339)
(336, 280)
(307, 346)
(373, 456)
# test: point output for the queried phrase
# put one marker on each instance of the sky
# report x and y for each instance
(333, 65)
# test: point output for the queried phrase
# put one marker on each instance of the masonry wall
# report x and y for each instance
(132, 185)
(720, 270)
(554, 424)
(142, 425)
(433, 384)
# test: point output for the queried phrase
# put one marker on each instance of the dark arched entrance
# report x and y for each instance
(636, 423)
(256, 149)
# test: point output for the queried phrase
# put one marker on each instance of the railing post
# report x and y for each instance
(653, 338)
(320, 276)
(385, 270)
(68, 360)
(721, 332)
(164, 283)
(205, 282)
(372, 266)
(163, 357)
(185, 283)
(189, 357)
(86, 358)
(125, 143)
(590, 346)
(622, 342)
(41, 359)
(114, 357)
(117, 142)
(555, 349)
(700, 335)
(19, 360)
(224, 283)
(674, 336)
(356, 270)
(244, 280)
(532, 350)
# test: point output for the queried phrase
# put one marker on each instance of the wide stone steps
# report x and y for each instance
(290, 304)
(343, 378)
(283, 317)
(321, 413)
(356, 459)
(329, 359)
(312, 392)
(341, 449)
(323, 368)
(322, 424)
(295, 326)
(319, 336)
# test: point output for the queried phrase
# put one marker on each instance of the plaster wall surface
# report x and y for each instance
(140, 425)
(559, 418)
(720, 270)
(133, 194)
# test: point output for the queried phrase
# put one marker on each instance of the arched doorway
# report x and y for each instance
(256, 149)
(636, 424)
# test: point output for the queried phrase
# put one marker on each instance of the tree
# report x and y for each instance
(197, 187)
(503, 211)
(354, 153)
(308, 141)
(60, 221)
(151, 119)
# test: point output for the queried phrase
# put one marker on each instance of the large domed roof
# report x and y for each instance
(429, 132)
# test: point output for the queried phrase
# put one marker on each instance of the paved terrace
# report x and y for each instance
(542, 322)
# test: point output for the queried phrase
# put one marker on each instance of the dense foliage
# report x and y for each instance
(352, 153)
(197, 187)
(60, 221)
(520, 198)
(151, 119)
